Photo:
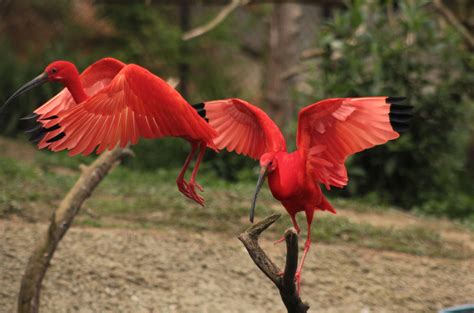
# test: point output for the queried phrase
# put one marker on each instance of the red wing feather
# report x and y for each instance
(243, 127)
(331, 130)
(134, 104)
(93, 79)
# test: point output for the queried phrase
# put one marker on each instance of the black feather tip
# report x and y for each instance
(37, 132)
(199, 107)
(400, 114)
(56, 138)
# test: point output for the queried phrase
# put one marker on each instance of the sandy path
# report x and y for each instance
(119, 270)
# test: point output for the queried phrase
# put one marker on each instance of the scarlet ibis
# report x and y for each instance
(328, 132)
(112, 103)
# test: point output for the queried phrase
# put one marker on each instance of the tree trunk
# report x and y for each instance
(284, 54)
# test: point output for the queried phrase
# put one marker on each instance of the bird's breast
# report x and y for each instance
(288, 179)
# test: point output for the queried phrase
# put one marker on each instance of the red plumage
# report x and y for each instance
(114, 104)
(328, 132)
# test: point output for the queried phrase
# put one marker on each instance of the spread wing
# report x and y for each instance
(331, 130)
(242, 127)
(134, 104)
(93, 79)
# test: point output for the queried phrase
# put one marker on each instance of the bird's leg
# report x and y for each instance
(298, 230)
(192, 185)
(295, 225)
(182, 185)
(307, 244)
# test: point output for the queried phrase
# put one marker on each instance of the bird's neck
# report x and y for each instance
(74, 85)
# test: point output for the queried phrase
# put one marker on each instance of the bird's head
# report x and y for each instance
(268, 164)
(57, 71)
(60, 71)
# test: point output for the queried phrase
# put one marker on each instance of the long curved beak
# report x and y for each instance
(37, 81)
(261, 180)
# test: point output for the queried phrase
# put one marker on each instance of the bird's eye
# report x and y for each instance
(54, 70)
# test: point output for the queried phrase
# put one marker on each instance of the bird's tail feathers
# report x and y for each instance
(326, 206)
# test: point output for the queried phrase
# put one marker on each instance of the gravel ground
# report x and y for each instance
(122, 270)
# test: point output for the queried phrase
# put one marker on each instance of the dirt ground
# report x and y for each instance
(122, 270)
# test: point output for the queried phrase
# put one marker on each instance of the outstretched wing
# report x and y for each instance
(331, 130)
(134, 104)
(242, 127)
(93, 78)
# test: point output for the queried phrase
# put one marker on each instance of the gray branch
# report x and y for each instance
(286, 282)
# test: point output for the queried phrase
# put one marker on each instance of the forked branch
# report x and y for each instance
(286, 282)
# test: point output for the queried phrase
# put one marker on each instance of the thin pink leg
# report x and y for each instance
(182, 185)
(295, 225)
(307, 244)
(192, 182)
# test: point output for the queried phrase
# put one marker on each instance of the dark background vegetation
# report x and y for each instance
(341, 49)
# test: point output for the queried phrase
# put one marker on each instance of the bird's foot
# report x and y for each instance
(298, 281)
(279, 240)
(193, 194)
(183, 187)
(188, 189)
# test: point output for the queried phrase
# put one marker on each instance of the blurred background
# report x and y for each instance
(280, 59)
(280, 56)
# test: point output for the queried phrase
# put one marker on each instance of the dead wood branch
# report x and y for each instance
(91, 176)
(453, 20)
(219, 18)
(61, 220)
(286, 283)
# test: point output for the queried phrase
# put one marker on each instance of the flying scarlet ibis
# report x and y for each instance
(113, 104)
(328, 132)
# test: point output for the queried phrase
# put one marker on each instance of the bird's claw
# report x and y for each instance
(199, 187)
(192, 190)
(298, 280)
(279, 240)
(189, 190)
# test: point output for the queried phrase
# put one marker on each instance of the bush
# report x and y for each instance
(412, 54)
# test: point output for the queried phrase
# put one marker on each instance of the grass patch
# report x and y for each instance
(135, 199)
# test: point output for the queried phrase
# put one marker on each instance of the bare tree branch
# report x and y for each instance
(219, 18)
(61, 220)
(453, 20)
(285, 283)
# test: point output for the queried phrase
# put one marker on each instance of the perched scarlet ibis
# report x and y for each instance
(328, 132)
(112, 104)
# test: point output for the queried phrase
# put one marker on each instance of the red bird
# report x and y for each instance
(328, 132)
(113, 104)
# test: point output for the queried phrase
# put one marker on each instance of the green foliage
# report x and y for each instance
(411, 54)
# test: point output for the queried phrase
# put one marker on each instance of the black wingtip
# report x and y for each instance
(36, 137)
(395, 99)
(199, 107)
(38, 132)
(32, 116)
(400, 114)
(34, 129)
(56, 138)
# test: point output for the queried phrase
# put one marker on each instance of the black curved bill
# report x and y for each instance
(261, 180)
(37, 81)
